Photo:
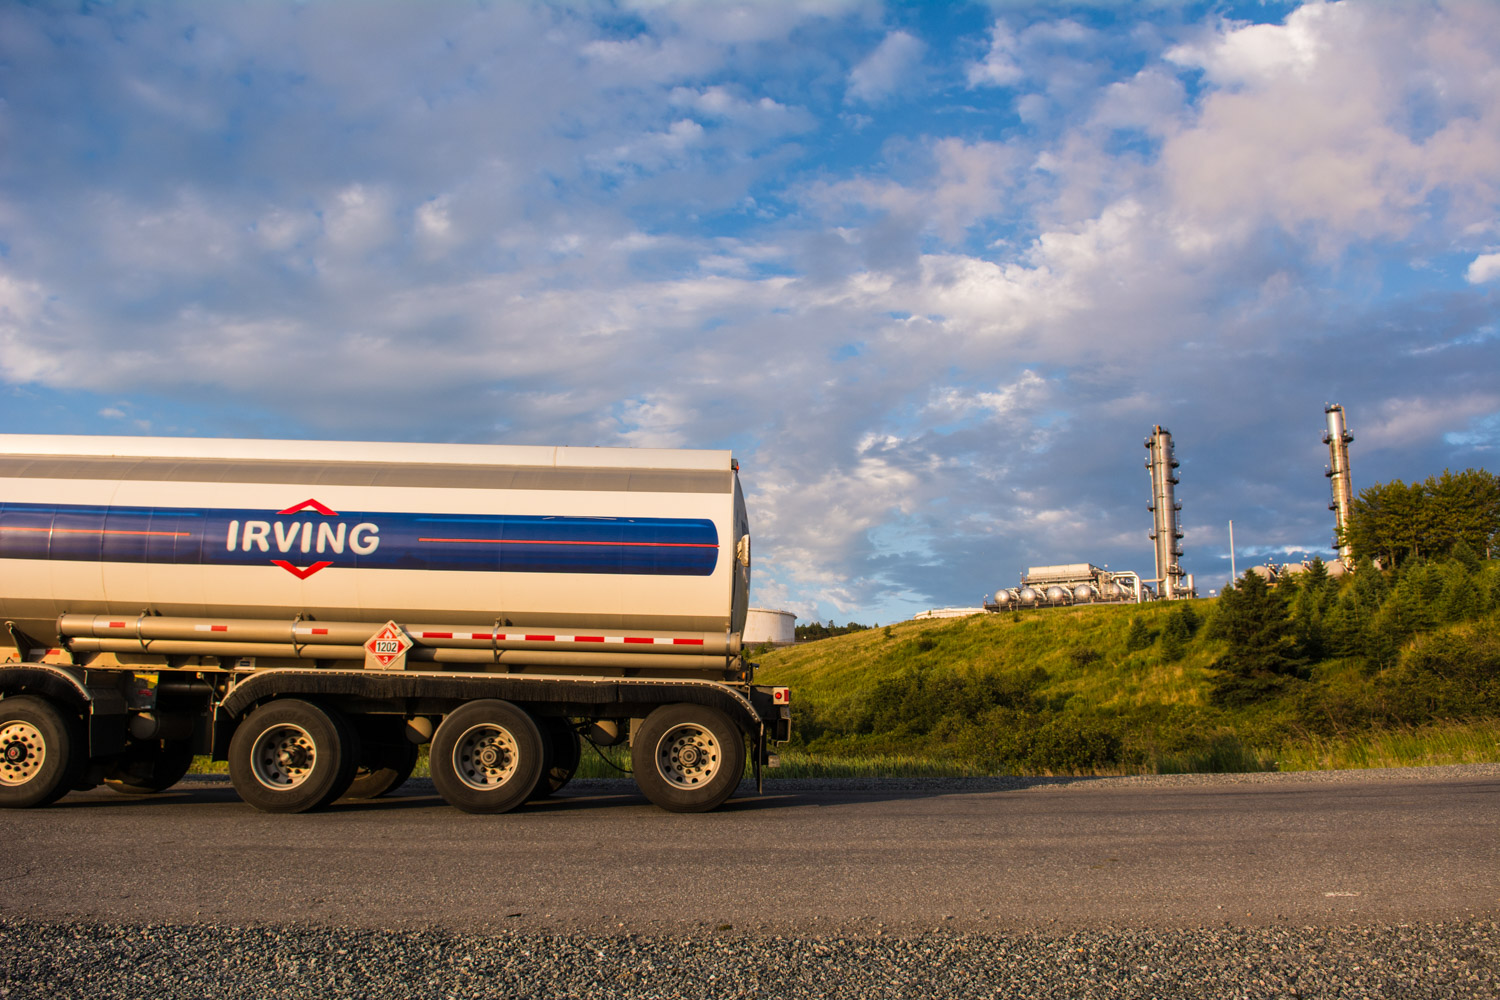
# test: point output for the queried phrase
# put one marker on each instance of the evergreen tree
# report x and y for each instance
(1177, 632)
(1370, 586)
(1461, 598)
(1462, 507)
(1465, 556)
(1324, 587)
(1253, 620)
(1139, 636)
(1307, 615)
(1345, 627)
(1190, 619)
(1386, 522)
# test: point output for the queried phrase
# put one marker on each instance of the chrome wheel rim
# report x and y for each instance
(688, 756)
(485, 757)
(22, 752)
(283, 757)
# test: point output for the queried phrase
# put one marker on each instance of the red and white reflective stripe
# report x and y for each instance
(306, 630)
(536, 637)
(210, 628)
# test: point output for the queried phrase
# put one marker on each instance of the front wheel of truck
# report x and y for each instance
(688, 758)
(43, 752)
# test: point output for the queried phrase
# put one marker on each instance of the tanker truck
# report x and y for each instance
(313, 612)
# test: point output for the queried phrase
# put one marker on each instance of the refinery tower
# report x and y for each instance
(1342, 486)
(1166, 530)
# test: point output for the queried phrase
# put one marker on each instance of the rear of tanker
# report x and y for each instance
(313, 612)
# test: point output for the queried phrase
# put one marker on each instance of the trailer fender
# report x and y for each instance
(102, 707)
(53, 683)
(581, 693)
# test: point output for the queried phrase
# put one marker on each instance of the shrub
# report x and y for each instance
(1139, 636)
(1082, 656)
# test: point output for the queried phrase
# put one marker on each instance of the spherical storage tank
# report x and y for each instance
(1028, 595)
(762, 625)
(1004, 597)
(1083, 593)
(1057, 594)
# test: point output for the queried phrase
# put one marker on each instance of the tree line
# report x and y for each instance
(1392, 522)
(817, 630)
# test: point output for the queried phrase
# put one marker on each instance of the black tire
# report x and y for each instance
(688, 758)
(291, 756)
(563, 751)
(383, 768)
(147, 768)
(487, 757)
(43, 753)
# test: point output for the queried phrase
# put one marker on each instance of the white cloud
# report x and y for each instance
(282, 230)
(23, 331)
(1423, 420)
(359, 219)
(999, 67)
(1315, 131)
(654, 151)
(886, 70)
(1485, 267)
(1238, 54)
(1007, 402)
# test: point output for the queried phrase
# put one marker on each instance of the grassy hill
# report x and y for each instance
(1078, 690)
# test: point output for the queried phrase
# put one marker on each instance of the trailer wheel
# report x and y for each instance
(564, 752)
(383, 769)
(487, 757)
(146, 768)
(688, 758)
(291, 756)
(42, 752)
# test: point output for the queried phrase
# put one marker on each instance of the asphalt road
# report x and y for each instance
(817, 858)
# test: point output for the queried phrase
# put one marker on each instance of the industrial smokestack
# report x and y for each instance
(1337, 439)
(1166, 532)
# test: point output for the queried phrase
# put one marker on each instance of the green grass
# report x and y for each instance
(1449, 743)
(1072, 698)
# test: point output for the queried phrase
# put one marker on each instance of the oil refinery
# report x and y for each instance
(1086, 583)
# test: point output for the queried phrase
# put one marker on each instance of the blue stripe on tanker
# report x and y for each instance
(502, 543)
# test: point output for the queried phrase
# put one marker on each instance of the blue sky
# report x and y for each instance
(932, 271)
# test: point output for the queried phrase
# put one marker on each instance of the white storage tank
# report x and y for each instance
(764, 625)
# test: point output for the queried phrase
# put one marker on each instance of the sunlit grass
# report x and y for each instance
(1453, 743)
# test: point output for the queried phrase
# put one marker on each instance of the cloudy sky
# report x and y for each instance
(931, 271)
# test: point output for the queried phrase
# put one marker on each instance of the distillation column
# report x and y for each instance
(1166, 531)
(1337, 439)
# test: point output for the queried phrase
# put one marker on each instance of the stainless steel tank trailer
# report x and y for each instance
(312, 611)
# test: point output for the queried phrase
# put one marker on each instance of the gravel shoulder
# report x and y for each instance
(163, 961)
